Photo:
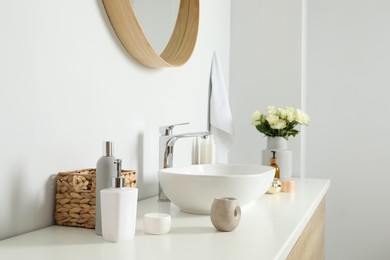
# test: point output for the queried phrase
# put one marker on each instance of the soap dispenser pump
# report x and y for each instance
(274, 163)
(119, 209)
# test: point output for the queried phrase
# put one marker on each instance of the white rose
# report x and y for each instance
(272, 119)
(290, 116)
(286, 113)
(282, 113)
(256, 118)
(280, 124)
(301, 117)
(271, 110)
(290, 112)
(307, 119)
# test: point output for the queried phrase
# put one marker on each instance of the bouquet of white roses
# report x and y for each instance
(279, 121)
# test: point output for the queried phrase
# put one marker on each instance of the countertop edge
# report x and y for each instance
(293, 238)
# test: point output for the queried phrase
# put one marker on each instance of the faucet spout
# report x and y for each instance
(168, 153)
(166, 145)
(174, 138)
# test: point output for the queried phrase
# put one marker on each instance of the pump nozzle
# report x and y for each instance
(274, 163)
(119, 180)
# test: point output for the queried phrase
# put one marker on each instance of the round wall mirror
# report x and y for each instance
(130, 32)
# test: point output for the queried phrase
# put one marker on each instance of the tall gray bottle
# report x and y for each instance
(105, 171)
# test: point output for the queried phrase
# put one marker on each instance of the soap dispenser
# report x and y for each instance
(105, 171)
(274, 163)
(119, 209)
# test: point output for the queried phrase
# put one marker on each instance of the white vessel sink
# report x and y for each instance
(193, 188)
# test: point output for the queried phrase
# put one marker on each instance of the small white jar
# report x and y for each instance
(157, 223)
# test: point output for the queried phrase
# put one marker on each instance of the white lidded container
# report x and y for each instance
(119, 209)
(157, 223)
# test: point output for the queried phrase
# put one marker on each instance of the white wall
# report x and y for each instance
(345, 91)
(265, 70)
(347, 142)
(67, 84)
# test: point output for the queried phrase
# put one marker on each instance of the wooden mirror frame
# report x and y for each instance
(180, 46)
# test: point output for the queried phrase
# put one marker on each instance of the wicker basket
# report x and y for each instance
(76, 197)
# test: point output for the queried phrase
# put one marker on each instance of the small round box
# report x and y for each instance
(157, 223)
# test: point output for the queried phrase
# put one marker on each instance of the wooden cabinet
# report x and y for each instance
(310, 245)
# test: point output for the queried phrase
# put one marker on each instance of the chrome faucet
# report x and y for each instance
(166, 144)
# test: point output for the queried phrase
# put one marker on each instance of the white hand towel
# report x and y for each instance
(221, 121)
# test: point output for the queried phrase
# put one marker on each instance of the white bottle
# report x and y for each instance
(207, 150)
(119, 209)
(195, 151)
(105, 171)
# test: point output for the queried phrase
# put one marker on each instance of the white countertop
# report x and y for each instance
(268, 229)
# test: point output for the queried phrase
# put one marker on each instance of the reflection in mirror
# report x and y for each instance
(128, 29)
(157, 19)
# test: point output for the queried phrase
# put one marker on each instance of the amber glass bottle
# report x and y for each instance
(274, 163)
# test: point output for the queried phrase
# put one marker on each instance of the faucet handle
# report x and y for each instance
(167, 130)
